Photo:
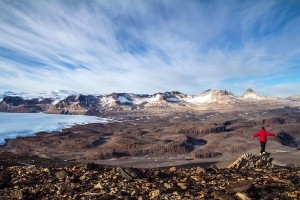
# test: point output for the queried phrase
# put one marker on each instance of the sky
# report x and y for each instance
(142, 46)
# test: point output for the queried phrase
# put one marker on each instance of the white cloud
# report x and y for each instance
(143, 46)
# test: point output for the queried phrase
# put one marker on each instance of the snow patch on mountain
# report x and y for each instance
(139, 100)
(124, 100)
(108, 101)
(253, 96)
(156, 98)
(172, 99)
(199, 99)
(116, 99)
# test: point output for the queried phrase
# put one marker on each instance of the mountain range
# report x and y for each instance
(68, 102)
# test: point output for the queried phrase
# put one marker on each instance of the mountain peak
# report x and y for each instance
(250, 94)
(249, 91)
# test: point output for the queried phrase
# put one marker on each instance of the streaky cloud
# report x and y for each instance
(148, 46)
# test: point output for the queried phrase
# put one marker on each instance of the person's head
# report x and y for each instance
(263, 128)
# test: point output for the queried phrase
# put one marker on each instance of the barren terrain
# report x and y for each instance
(164, 139)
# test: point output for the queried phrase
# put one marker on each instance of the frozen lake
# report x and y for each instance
(13, 125)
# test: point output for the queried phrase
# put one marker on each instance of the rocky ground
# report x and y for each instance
(249, 177)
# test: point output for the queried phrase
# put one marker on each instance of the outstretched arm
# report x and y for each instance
(271, 134)
(255, 134)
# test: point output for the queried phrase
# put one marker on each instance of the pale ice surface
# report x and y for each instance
(13, 125)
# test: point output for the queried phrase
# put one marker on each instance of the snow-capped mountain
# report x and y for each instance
(68, 102)
(211, 96)
(55, 96)
(116, 99)
(140, 99)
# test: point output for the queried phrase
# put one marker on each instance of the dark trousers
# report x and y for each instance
(263, 147)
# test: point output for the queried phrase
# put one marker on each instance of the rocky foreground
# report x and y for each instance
(249, 177)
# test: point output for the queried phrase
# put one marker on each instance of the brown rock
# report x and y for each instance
(46, 170)
(239, 186)
(167, 185)
(182, 185)
(161, 174)
(133, 193)
(61, 175)
(154, 194)
(83, 177)
(242, 196)
(200, 170)
(172, 169)
(18, 194)
(213, 167)
(129, 173)
(64, 188)
(99, 186)
(219, 195)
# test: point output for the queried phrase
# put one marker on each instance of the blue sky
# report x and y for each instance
(150, 46)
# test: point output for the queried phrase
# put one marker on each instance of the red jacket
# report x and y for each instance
(263, 135)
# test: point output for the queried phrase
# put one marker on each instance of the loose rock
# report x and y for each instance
(99, 182)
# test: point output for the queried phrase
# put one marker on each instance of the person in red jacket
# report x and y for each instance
(263, 138)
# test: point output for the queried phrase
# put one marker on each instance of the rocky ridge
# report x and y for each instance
(252, 161)
(92, 181)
